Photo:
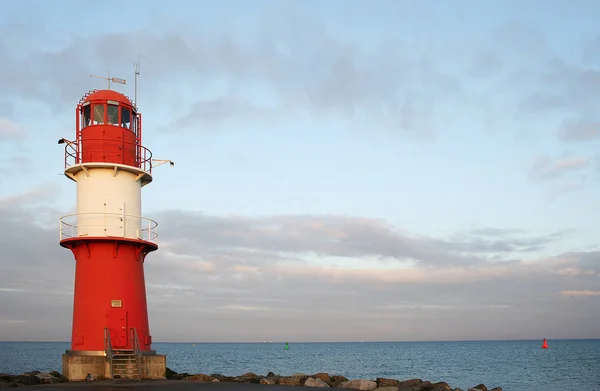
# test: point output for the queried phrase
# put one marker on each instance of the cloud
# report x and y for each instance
(586, 293)
(10, 130)
(546, 168)
(580, 130)
(296, 66)
(272, 272)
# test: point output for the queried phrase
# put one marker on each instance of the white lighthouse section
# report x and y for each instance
(109, 203)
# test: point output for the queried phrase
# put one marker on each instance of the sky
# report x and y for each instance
(344, 170)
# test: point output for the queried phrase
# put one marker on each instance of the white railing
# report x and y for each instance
(119, 225)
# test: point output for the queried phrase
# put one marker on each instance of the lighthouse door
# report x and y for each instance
(115, 218)
(117, 324)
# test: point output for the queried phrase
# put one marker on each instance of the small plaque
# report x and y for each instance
(116, 303)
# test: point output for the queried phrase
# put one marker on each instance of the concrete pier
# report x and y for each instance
(77, 367)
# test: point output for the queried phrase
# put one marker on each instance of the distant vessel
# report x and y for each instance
(545, 344)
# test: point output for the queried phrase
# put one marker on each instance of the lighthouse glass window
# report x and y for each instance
(98, 115)
(87, 115)
(125, 118)
(113, 115)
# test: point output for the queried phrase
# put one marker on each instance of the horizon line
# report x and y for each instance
(312, 342)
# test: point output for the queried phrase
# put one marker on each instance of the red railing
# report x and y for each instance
(140, 156)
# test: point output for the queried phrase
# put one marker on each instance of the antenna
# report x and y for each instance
(136, 70)
(111, 79)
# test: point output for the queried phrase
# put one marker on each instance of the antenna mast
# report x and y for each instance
(136, 70)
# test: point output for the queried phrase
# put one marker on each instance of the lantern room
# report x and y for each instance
(109, 130)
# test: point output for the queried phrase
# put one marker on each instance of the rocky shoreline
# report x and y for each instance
(321, 380)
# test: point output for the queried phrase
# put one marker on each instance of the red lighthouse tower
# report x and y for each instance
(110, 239)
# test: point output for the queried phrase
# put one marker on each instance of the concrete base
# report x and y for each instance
(76, 368)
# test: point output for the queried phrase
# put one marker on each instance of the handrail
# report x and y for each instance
(74, 152)
(137, 349)
(98, 224)
(108, 349)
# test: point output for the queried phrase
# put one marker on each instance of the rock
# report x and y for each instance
(337, 380)
(387, 388)
(28, 380)
(383, 382)
(406, 384)
(267, 380)
(249, 377)
(323, 376)
(221, 377)
(359, 384)
(270, 374)
(59, 376)
(48, 378)
(441, 386)
(169, 373)
(458, 389)
(294, 380)
(496, 389)
(314, 382)
(198, 377)
(215, 380)
(422, 386)
(480, 387)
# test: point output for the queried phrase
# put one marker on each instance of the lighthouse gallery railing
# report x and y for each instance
(120, 225)
(142, 158)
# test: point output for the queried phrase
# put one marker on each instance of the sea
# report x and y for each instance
(513, 365)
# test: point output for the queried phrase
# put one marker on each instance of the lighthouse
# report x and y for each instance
(110, 239)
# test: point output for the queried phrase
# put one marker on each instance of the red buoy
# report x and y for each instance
(545, 344)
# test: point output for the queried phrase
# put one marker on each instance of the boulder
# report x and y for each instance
(28, 380)
(387, 388)
(198, 377)
(422, 386)
(221, 377)
(480, 387)
(337, 380)
(48, 378)
(249, 377)
(359, 384)
(314, 382)
(169, 373)
(215, 380)
(323, 376)
(267, 380)
(496, 389)
(441, 386)
(59, 376)
(270, 374)
(384, 382)
(406, 384)
(294, 380)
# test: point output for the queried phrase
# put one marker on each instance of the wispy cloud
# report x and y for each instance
(9, 130)
(266, 271)
(580, 130)
(583, 293)
(545, 168)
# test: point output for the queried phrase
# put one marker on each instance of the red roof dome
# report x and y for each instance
(108, 95)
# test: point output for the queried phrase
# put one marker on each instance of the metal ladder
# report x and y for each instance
(125, 364)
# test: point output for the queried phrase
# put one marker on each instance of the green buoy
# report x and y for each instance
(286, 346)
